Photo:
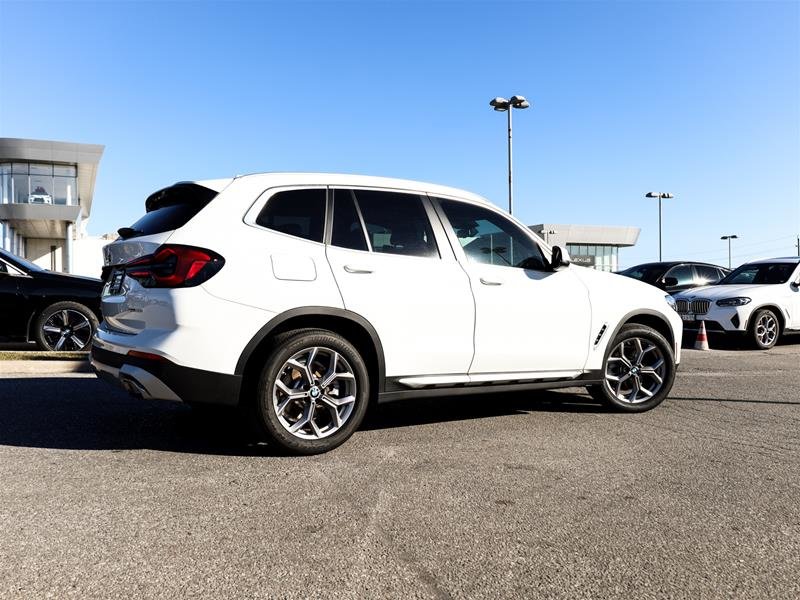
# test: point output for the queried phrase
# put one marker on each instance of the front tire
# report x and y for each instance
(765, 329)
(638, 370)
(65, 326)
(313, 392)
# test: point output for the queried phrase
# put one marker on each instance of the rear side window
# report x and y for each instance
(707, 275)
(396, 223)
(170, 209)
(300, 213)
(347, 229)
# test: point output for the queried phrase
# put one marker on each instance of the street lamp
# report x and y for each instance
(729, 238)
(659, 195)
(503, 105)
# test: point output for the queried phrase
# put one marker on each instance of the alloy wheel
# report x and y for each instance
(67, 330)
(314, 393)
(766, 329)
(635, 370)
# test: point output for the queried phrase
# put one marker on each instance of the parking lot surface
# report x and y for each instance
(530, 495)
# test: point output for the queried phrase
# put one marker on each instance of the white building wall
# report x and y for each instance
(40, 252)
(87, 256)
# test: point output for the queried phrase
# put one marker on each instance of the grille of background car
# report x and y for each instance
(698, 307)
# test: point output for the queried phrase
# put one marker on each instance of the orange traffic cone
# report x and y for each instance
(702, 338)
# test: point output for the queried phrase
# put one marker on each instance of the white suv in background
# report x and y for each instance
(760, 300)
(304, 297)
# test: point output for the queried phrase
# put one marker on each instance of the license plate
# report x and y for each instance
(687, 316)
(115, 284)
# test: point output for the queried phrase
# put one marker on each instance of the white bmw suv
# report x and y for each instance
(302, 298)
(760, 300)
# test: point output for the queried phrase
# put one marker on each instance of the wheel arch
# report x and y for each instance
(649, 318)
(352, 326)
(775, 309)
(44, 302)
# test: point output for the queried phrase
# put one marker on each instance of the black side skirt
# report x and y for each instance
(589, 378)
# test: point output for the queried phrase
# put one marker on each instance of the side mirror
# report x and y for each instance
(557, 260)
(670, 281)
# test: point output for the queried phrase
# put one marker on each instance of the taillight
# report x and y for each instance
(172, 266)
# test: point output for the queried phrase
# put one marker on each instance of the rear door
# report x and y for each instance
(394, 266)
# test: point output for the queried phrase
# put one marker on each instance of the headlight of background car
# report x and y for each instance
(671, 301)
(740, 301)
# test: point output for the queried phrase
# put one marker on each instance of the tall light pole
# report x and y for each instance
(503, 105)
(659, 195)
(729, 238)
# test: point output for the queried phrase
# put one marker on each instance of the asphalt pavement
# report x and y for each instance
(536, 495)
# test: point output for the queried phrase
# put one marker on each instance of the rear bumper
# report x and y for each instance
(162, 379)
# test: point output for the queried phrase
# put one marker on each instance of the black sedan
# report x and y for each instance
(676, 276)
(57, 311)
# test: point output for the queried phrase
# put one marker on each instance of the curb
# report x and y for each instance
(43, 367)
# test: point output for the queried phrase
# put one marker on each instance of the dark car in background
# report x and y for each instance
(676, 276)
(57, 311)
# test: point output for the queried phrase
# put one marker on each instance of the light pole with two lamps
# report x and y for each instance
(729, 238)
(503, 105)
(659, 195)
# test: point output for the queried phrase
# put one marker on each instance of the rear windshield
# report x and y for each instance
(170, 209)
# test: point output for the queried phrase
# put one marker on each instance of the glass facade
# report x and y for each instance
(38, 183)
(601, 257)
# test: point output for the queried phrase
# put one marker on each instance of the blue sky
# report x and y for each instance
(698, 99)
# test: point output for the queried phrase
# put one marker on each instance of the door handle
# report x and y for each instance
(356, 270)
(488, 282)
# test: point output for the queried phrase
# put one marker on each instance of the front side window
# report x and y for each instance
(683, 273)
(489, 238)
(396, 223)
(300, 213)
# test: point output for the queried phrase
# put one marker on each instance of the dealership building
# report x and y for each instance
(589, 245)
(46, 191)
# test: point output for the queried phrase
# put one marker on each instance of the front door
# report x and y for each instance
(529, 319)
(394, 267)
(13, 317)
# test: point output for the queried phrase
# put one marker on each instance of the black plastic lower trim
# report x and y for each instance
(589, 378)
(191, 385)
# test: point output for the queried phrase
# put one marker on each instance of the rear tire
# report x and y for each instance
(65, 326)
(638, 370)
(313, 392)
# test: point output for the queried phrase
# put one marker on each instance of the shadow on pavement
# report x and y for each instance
(424, 411)
(679, 399)
(82, 413)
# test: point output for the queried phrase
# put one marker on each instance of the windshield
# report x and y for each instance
(646, 273)
(762, 273)
(19, 262)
